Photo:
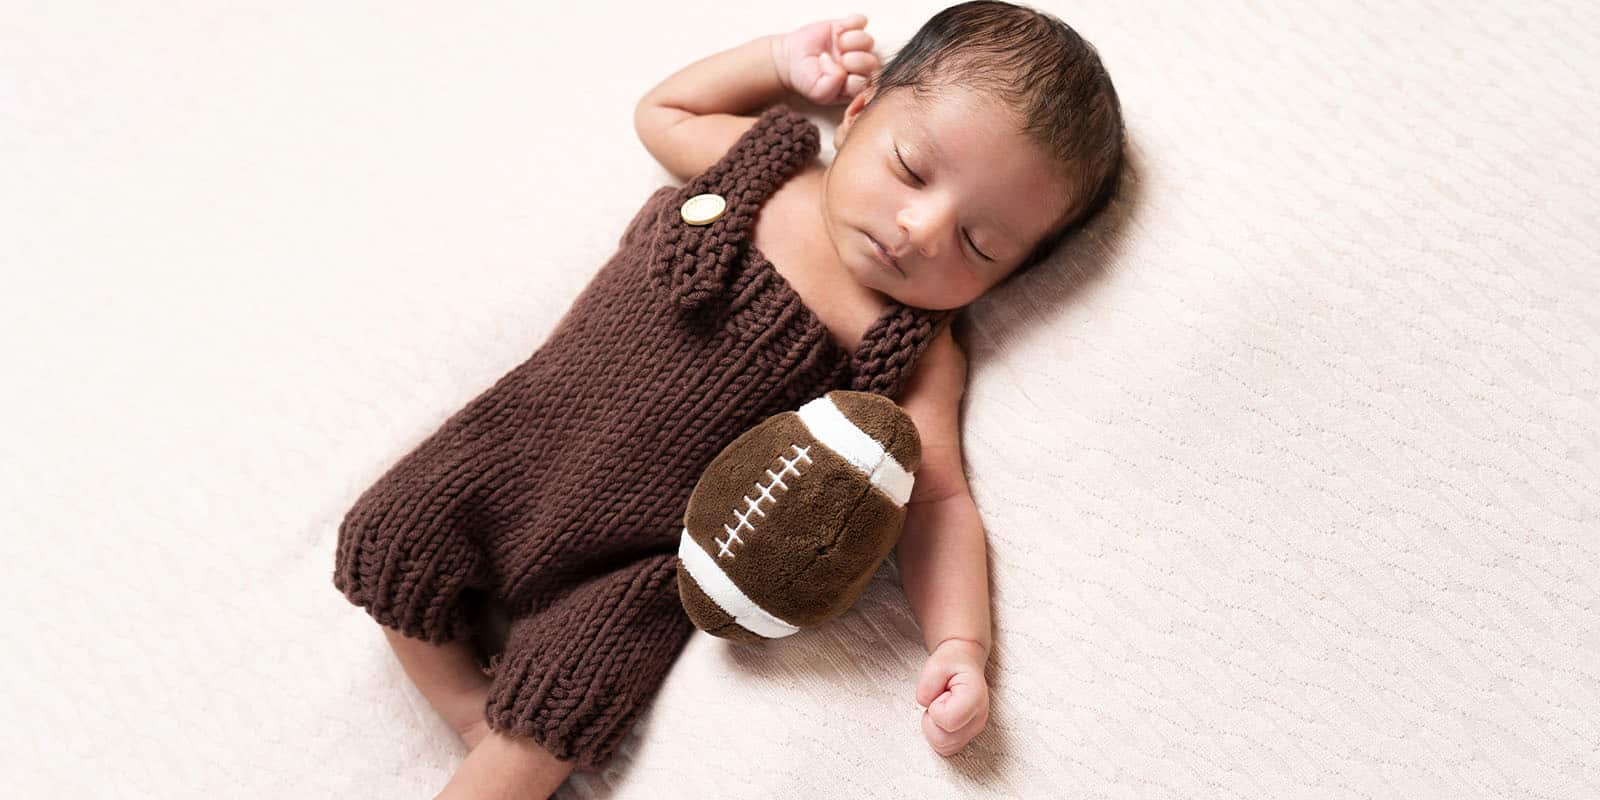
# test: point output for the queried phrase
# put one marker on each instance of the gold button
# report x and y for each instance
(704, 209)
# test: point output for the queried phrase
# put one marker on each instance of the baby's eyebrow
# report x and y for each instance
(1009, 237)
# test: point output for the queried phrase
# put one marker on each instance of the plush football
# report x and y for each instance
(787, 524)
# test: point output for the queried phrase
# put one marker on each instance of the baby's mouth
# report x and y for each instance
(885, 256)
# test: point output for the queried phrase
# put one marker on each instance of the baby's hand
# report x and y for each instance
(956, 695)
(827, 62)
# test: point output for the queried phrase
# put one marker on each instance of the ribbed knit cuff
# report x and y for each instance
(575, 676)
(407, 570)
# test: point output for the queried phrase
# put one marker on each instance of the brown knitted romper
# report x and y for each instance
(560, 491)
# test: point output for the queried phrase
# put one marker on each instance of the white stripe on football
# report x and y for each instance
(834, 429)
(719, 587)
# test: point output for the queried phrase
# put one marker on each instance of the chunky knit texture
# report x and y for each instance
(561, 489)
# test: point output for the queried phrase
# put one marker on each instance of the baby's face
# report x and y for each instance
(975, 188)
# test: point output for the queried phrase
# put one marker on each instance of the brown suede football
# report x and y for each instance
(788, 523)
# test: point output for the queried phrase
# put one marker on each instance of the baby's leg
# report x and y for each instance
(452, 676)
(507, 767)
(449, 677)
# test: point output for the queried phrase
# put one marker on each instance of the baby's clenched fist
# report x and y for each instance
(955, 694)
(826, 62)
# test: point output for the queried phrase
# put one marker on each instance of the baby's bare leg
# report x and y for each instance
(449, 677)
(507, 767)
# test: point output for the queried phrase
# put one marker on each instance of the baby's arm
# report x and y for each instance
(690, 119)
(942, 551)
(943, 557)
(686, 119)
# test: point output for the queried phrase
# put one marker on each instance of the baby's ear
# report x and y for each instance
(851, 111)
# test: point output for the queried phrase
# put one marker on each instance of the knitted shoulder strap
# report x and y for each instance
(890, 348)
(696, 263)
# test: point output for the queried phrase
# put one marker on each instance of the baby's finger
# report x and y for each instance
(853, 22)
(858, 62)
(830, 68)
(948, 743)
(932, 682)
(953, 710)
(829, 82)
(855, 40)
(854, 84)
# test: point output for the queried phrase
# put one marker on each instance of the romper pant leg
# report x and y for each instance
(576, 674)
(406, 550)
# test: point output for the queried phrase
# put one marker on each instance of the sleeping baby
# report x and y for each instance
(554, 499)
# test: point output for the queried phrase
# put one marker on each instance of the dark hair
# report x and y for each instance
(1040, 67)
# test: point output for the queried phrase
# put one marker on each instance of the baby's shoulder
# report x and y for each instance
(939, 377)
(932, 398)
(946, 354)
